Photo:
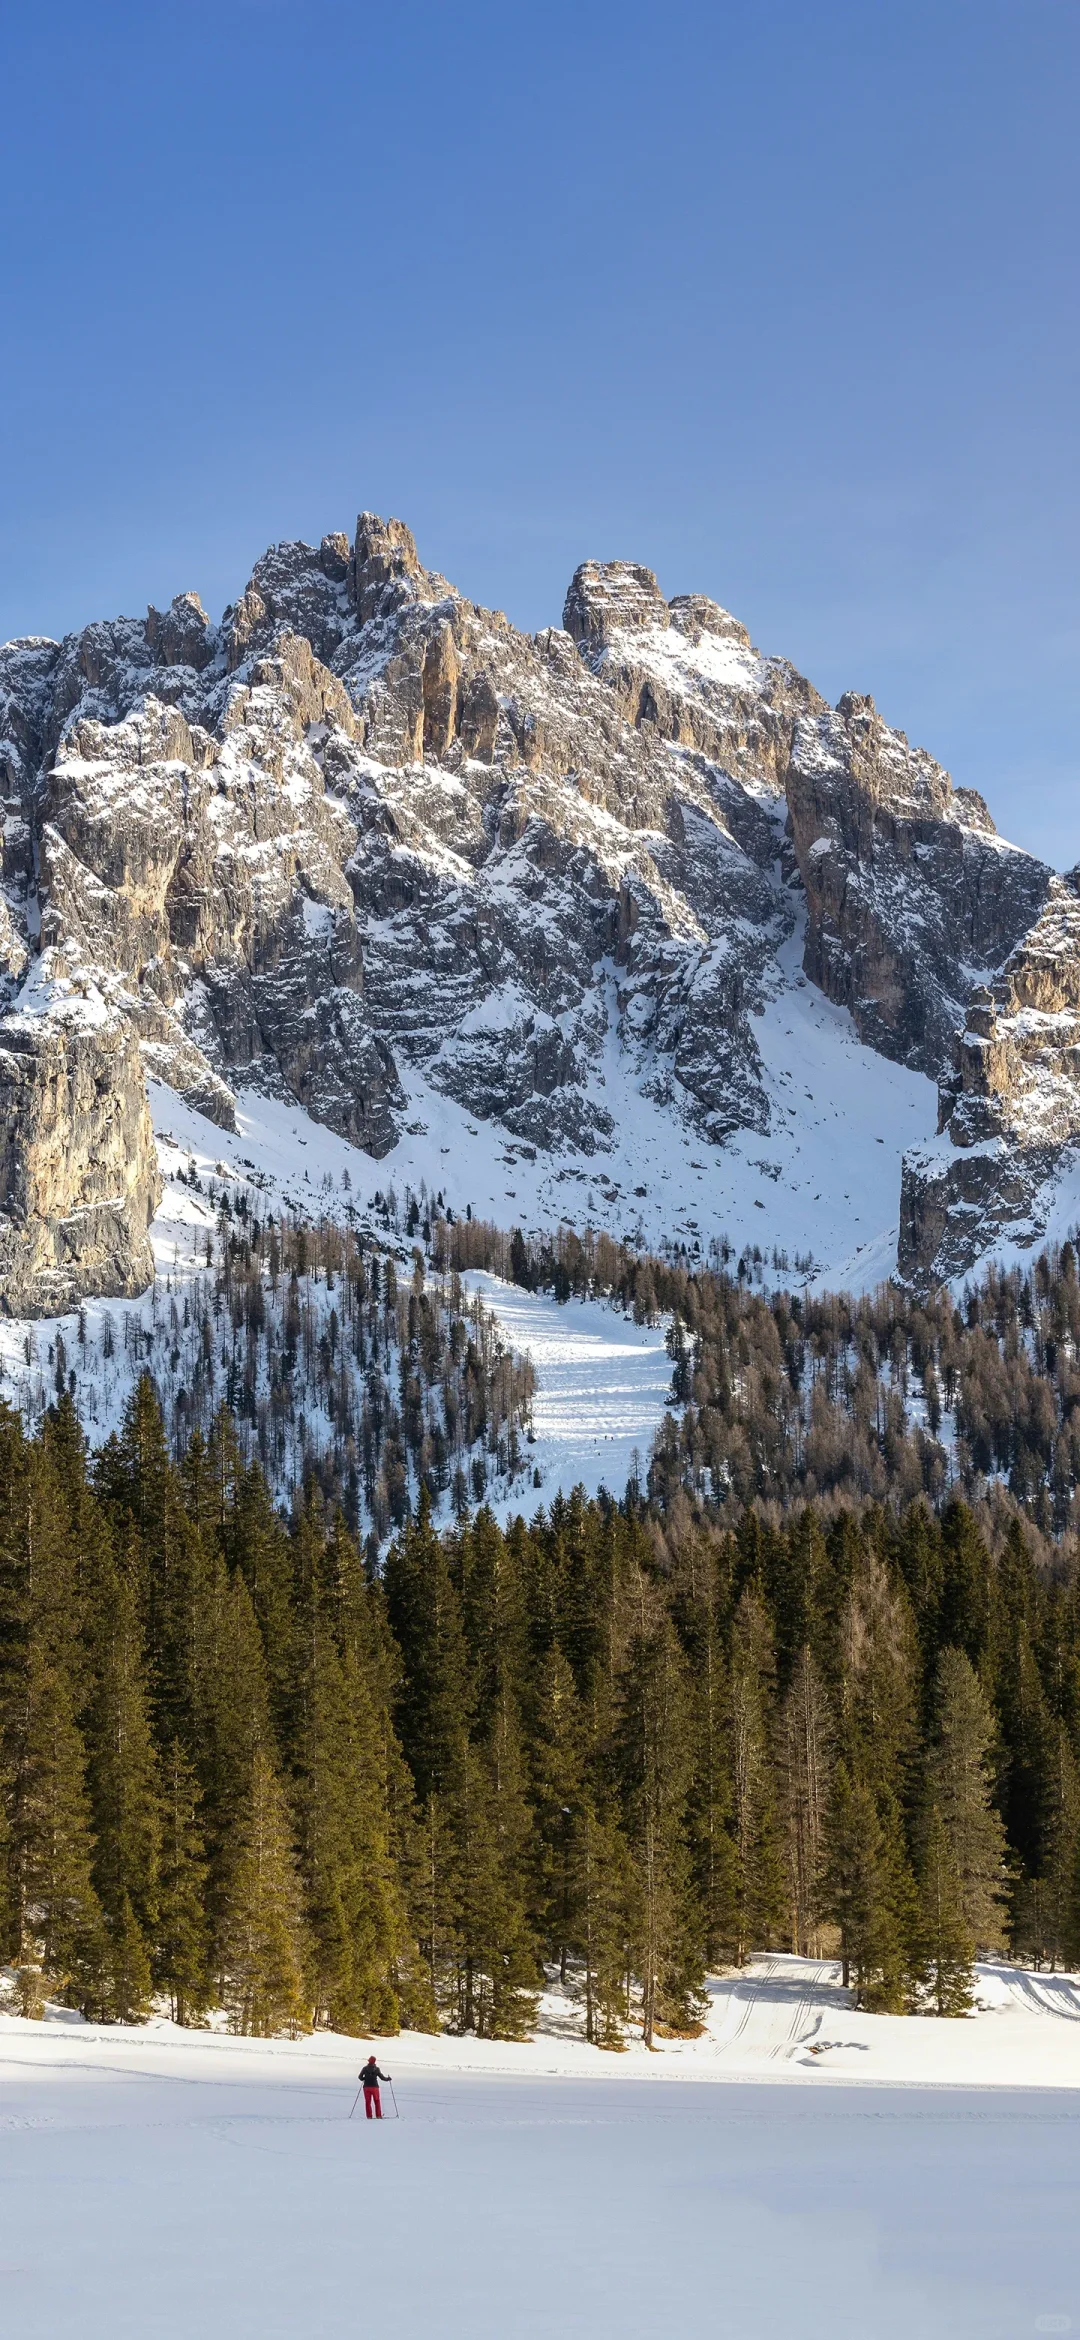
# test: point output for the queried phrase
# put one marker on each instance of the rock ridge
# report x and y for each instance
(364, 830)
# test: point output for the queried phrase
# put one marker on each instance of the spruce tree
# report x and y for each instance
(804, 1776)
(960, 1791)
(655, 1757)
(124, 1791)
(762, 1888)
(947, 1946)
(53, 1915)
(869, 1894)
(261, 1949)
(182, 1944)
(57, 1919)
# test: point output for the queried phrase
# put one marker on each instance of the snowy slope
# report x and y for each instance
(822, 1189)
(166, 2185)
(604, 1383)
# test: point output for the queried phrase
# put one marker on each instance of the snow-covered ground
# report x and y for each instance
(604, 1383)
(824, 1186)
(158, 2186)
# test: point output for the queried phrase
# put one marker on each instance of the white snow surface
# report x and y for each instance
(915, 2180)
(604, 1383)
(823, 1187)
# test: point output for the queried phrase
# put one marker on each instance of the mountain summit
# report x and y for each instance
(365, 833)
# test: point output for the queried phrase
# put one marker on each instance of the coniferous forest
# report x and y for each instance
(252, 1770)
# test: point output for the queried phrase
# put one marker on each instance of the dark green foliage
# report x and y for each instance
(241, 1765)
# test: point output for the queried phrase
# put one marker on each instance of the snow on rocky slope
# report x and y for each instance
(604, 1382)
(623, 904)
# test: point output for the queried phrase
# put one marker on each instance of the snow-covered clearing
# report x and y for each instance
(159, 2185)
(604, 1383)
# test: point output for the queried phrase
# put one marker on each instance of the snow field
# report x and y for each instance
(161, 2186)
(604, 1383)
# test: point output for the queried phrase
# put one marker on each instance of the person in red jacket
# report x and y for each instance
(370, 2077)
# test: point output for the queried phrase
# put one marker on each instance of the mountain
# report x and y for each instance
(608, 898)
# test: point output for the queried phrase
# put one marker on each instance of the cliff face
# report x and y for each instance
(1009, 1103)
(365, 825)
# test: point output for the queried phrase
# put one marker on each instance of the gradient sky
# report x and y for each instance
(780, 299)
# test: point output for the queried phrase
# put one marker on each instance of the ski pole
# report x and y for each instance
(355, 2101)
(393, 2100)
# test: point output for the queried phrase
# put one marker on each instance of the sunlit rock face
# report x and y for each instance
(365, 825)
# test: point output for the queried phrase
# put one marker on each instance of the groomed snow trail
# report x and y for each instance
(604, 1383)
(162, 2185)
(162, 2188)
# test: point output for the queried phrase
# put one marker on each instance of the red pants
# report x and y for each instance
(372, 2103)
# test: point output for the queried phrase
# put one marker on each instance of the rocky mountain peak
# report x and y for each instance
(385, 568)
(366, 837)
(182, 635)
(606, 598)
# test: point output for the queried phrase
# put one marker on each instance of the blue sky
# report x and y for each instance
(779, 299)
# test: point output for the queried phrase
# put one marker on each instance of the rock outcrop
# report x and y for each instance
(79, 1180)
(364, 832)
(1009, 1106)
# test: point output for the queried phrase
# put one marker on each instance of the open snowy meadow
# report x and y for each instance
(801, 2173)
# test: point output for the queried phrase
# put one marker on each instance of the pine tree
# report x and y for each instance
(960, 1791)
(53, 1916)
(804, 1774)
(711, 1797)
(762, 1892)
(655, 1756)
(230, 1707)
(261, 1952)
(868, 1892)
(342, 1745)
(181, 1963)
(123, 1791)
(58, 1923)
(947, 1946)
(556, 1754)
(877, 1714)
(611, 1924)
(431, 1706)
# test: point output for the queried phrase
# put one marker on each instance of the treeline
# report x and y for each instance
(789, 1395)
(886, 1397)
(337, 1361)
(241, 1770)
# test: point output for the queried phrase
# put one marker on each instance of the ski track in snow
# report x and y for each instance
(604, 1383)
(915, 2180)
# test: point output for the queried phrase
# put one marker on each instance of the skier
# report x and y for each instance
(370, 2078)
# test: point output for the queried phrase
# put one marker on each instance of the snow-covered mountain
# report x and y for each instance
(617, 922)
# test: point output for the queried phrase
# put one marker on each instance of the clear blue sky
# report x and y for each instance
(778, 297)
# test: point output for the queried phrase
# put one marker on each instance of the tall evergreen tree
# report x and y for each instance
(804, 1763)
(762, 1895)
(182, 1945)
(124, 1791)
(947, 1946)
(960, 1791)
(261, 1951)
(869, 1894)
(655, 1756)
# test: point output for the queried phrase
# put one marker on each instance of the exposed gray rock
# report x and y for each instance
(79, 1181)
(365, 826)
(911, 893)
